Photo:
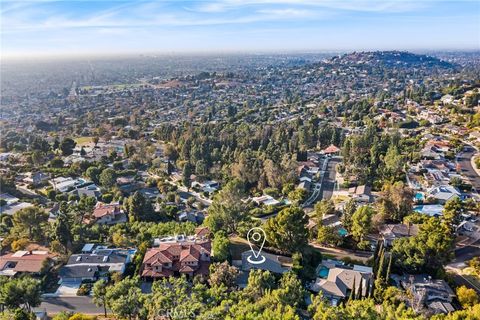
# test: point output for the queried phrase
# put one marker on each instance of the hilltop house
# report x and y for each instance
(177, 255)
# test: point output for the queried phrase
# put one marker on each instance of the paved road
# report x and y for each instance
(461, 256)
(329, 181)
(462, 281)
(464, 161)
(75, 304)
(317, 185)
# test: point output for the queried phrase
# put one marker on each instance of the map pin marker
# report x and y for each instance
(256, 238)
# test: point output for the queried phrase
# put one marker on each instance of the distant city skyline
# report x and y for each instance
(44, 27)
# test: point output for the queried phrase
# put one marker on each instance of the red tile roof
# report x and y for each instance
(105, 209)
(177, 254)
(331, 149)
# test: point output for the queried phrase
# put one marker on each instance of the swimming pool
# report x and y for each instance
(419, 196)
(323, 272)
(343, 232)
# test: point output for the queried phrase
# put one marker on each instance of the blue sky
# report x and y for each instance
(88, 26)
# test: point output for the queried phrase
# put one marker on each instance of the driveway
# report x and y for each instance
(329, 182)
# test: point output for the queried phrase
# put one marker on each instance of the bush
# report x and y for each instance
(84, 289)
(20, 244)
(107, 197)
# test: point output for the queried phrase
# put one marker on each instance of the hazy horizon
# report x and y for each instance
(84, 28)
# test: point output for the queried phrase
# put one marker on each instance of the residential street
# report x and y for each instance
(465, 163)
(81, 304)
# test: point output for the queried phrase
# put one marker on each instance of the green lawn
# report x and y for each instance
(83, 140)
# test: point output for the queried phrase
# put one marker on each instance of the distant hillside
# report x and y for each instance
(397, 59)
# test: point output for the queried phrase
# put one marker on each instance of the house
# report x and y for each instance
(37, 178)
(149, 193)
(109, 213)
(91, 190)
(432, 152)
(433, 210)
(202, 232)
(306, 185)
(31, 262)
(63, 184)
(273, 263)
(8, 199)
(443, 193)
(177, 255)
(206, 186)
(434, 294)
(331, 150)
(97, 264)
(12, 204)
(361, 193)
(391, 232)
(336, 281)
(265, 200)
(196, 217)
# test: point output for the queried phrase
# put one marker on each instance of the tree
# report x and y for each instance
(221, 247)
(125, 298)
(428, 251)
(21, 292)
(451, 212)
(361, 222)
(348, 212)
(93, 174)
(288, 230)
(187, 172)
(108, 178)
(393, 162)
(328, 235)
(100, 295)
(297, 196)
(290, 291)
(396, 201)
(467, 297)
(324, 208)
(259, 282)
(67, 146)
(61, 230)
(228, 210)
(31, 221)
(138, 208)
(222, 274)
(172, 296)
